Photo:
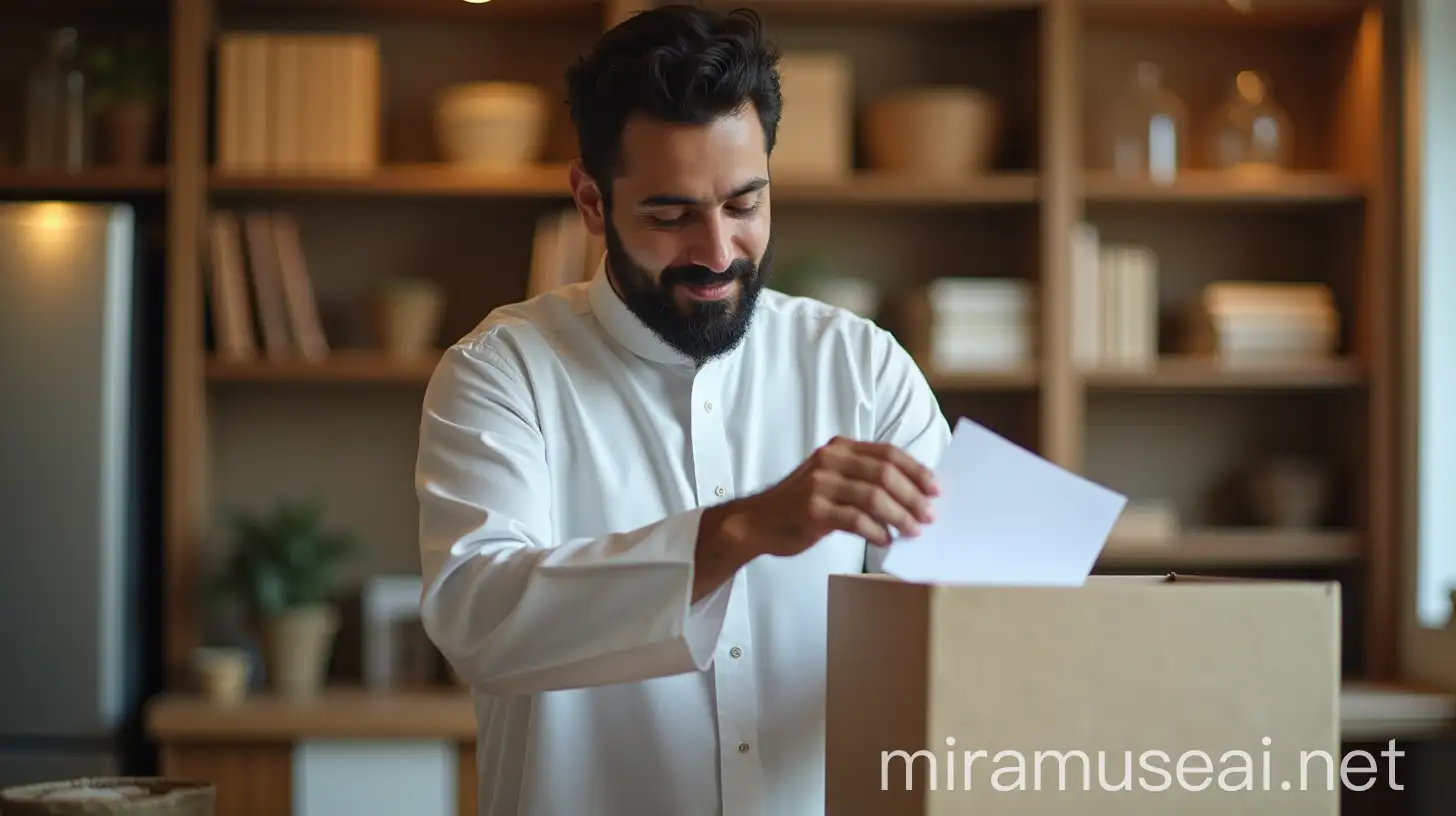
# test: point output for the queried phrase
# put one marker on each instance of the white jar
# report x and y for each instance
(492, 124)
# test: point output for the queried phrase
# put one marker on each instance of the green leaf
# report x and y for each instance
(270, 589)
(284, 557)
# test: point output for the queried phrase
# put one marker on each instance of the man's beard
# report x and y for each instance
(702, 330)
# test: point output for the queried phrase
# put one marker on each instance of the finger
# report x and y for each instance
(851, 519)
(876, 501)
(889, 476)
(831, 515)
(923, 477)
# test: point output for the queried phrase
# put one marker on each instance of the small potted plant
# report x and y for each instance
(127, 90)
(286, 567)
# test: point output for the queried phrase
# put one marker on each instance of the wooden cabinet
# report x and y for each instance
(314, 778)
(346, 752)
(251, 777)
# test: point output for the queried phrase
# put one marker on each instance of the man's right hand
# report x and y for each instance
(864, 488)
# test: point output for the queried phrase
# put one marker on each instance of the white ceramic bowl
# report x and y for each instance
(492, 124)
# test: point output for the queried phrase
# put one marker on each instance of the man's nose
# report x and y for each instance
(714, 247)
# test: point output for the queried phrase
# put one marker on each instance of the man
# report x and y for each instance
(633, 490)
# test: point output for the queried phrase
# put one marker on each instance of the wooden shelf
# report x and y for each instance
(1221, 13)
(337, 712)
(550, 181)
(1022, 379)
(873, 11)
(1201, 374)
(1236, 548)
(50, 9)
(1204, 187)
(340, 367)
(447, 10)
(98, 180)
(871, 188)
(547, 181)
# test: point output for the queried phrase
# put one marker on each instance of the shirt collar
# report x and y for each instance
(626, 328)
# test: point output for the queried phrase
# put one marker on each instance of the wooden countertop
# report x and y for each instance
(1377, 712)
(1368, 713)
(347, 713)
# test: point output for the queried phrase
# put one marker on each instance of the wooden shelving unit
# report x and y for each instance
(1174, 431)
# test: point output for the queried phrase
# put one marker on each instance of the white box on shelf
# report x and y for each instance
(1249, 323)
(391, 610)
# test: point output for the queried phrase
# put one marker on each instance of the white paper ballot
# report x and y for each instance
(1006, 516)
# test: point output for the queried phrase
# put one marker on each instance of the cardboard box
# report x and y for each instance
(1231, 679)
(816, 134)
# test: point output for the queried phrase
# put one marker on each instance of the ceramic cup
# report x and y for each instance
(223, 674)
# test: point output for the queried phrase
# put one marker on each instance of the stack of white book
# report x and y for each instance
(295, 103)
(981, 324)
(1244, 323)
(1114, 304)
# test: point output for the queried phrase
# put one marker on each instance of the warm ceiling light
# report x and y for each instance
(477, 2)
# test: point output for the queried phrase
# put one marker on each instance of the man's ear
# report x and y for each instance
(589, 200)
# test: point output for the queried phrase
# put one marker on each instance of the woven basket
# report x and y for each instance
(931, 132)
(110, 796)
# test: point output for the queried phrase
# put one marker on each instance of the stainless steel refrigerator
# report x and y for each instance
(80, 334)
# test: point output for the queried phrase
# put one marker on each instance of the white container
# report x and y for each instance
(407, 314)
(492, 124)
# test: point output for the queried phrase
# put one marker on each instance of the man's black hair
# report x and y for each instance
(675, 63)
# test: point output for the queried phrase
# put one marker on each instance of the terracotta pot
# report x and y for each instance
(126, 131)
(298, 644)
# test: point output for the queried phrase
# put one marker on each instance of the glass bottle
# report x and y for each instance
(1147, 128)
(1251, 133)
(55, 130)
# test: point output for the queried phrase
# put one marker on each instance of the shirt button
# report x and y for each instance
(708, 406)
(742, 747)
(720, 492)
(735, 652)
